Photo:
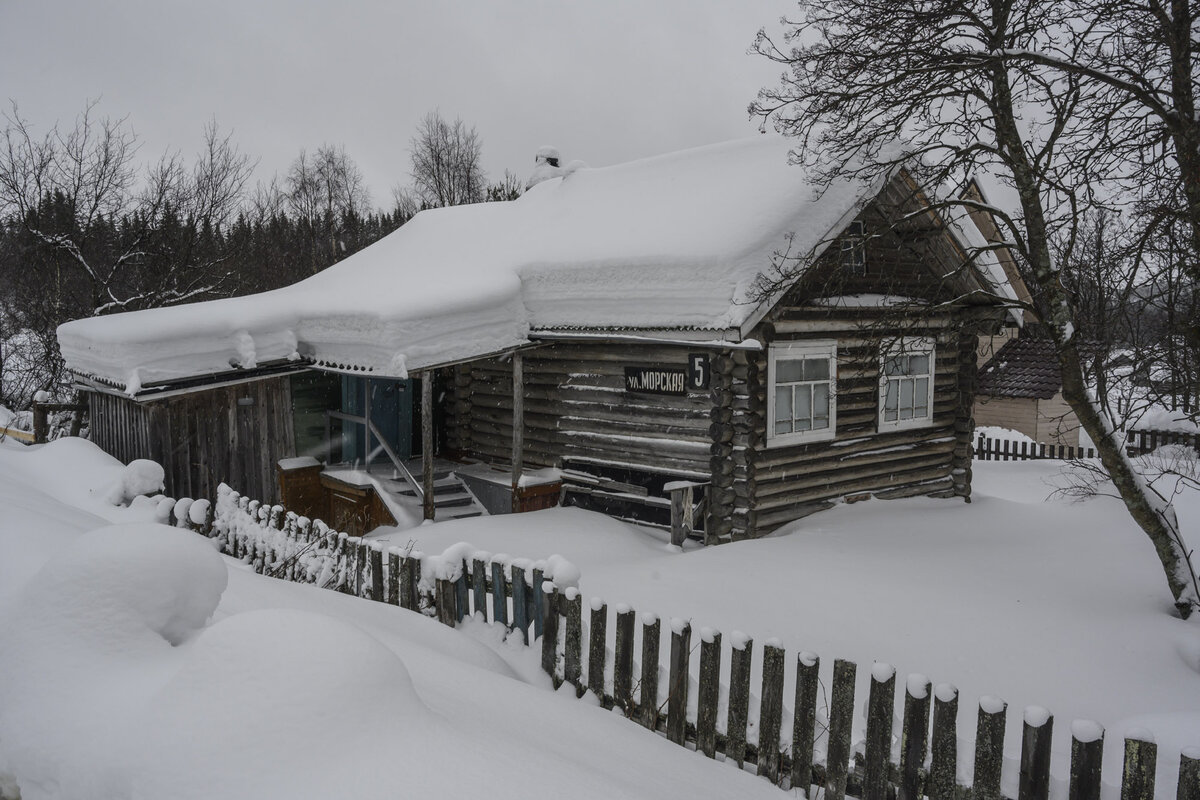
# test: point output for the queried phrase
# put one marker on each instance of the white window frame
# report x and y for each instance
(908, 346)
(808, 350)
(852, 253)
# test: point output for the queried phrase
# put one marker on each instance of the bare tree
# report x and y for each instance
(875, 84)
(327, 193)
(446, 163)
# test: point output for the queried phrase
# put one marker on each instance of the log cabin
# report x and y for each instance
(704, 340)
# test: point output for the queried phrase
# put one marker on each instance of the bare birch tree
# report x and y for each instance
(446, 163)
(937, 86)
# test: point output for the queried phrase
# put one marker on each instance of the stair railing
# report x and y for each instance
(369, 425)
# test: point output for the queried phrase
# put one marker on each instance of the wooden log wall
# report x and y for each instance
(205, 438)
(774, 485)
(576, 406)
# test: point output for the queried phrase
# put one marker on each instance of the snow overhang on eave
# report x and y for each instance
(191, 384)
(723, 338)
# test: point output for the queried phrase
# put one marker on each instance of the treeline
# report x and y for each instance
(85, 230)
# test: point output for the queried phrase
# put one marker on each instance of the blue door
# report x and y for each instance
(391, 412)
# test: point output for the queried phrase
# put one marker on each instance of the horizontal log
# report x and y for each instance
(885, 464)
(832, 491)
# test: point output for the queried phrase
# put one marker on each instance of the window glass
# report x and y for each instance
(789, 370)
(820, 405)
(816, 369)
(783, 409)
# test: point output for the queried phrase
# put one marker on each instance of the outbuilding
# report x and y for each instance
(706, 328)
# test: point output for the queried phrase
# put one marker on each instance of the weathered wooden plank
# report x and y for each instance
(841, 717)
(597, 648)
(410, 579)
(446, 601)
(943, 769)
(550, 619)
(708, 692)
(375, 556)
(573, 642)
(880, 702)
(804, 720)
(989, 748)
(914, 738)
(499, 596)
(462, 595)
(623, 659)
(520, 618)
(770, 715)
(393, 577)
(739, 698)
(1036, 735)
(677, 680)
(1087, 753)
(648, 700)
(1141, 761)
(1188, 787)
(479, 588)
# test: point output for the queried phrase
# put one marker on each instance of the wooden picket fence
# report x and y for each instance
(280, 544)
(872, 776)
(1137, 442)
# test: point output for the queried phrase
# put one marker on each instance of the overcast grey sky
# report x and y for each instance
(604, 80)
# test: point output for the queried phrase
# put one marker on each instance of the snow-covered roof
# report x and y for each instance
(671, 242)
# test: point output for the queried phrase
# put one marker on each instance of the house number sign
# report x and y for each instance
(669, 380)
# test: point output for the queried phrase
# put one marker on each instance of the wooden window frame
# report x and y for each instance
(794, 350)
(852, 254)
(908, 346)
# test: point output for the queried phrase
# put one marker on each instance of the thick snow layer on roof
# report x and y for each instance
(674, 241)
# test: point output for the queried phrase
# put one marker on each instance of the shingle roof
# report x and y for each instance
(1026, 367)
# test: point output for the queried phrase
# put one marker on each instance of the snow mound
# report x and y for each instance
(141, 477)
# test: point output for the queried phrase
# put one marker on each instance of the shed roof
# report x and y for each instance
(671, 242)
(1026, 367)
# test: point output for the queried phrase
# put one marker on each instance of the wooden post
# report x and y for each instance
(682, 510)
(376, 556)
(648, 701)
(410, 579)
(677, 681)
(914, 737)
(770, 713)
(499, 595)
(41, 424)
(944, 768)
(841, 720)
(1087, 752)
(393, 578)
(739, 698)
(479, 587)
(1141, 760)
(623, 660)
(427, 442)
(989, 748)
(518, 428)
(367, 424)
(1035, 754)
(1189, 765)
(520, 618)
(549, 629)
(447, 608)
(709, 694)
(804, 721)
(462, 595)
(573, 643)
(880, 702)
(597, 649)
(536, 597)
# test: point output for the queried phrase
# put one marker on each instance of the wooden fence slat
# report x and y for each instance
(550, 615)
(445, 602)
(393, 578)
(1087, 752)
(677, 681)
(520, 619)
(944, 743)
(410, 580)
(709, 692)
(739, 698)
(376, 560)
(1036, 736)
(770, 713)
(804, 720)
(914, 737)
(648, 700)
(880, 704)
(479, 588)
(573, 644)
(1188, 787)
(623, 660)
(989, 748)
(1141, 761)
(536, 596)
(841, 721)
(462, 594)
(499, 603)
(597, 648)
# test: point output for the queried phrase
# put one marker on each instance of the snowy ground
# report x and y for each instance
(115, 685)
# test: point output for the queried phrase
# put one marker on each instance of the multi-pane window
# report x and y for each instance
(802, 383)
(854, 249)
(906, 384)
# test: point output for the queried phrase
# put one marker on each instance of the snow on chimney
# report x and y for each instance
(545, 166)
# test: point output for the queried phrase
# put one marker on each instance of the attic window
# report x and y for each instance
(854, 249)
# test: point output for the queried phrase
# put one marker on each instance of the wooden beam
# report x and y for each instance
(518, 428)
(427, 442)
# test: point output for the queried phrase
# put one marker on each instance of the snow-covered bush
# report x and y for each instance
(141, 477)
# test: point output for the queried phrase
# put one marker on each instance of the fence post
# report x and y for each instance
(520, 609)
(444, 601)
(410, 579)
(1141, 760)
(1035, 754)
(677, 677)
(804, 722)
(623, 660)
(393, 578)
(1189, 764)
(648, 700)
(549, 630)
(914, 737)
(499, 595)
(462, 595)
(770, 713)
(1087, 752)
(597, 648)
(709, 692)
(944, 744)
(376, 556)
(841, 720)
(535, 606)
(881, 701)
(739, 697)
(479, 587)
(573, 645)
(989, 748)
